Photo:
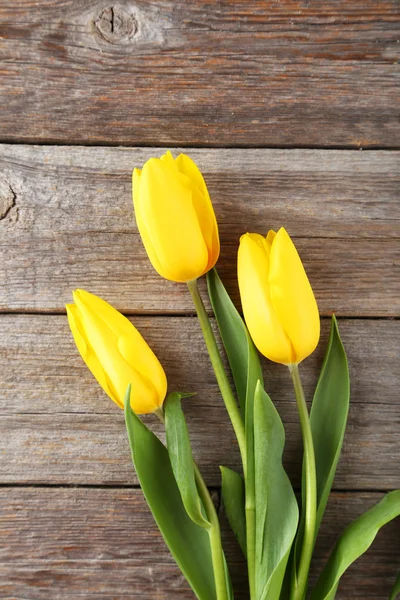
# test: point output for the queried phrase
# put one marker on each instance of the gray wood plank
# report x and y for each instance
(58, 427)
(286, 73)
(99, 543)
(67, 222)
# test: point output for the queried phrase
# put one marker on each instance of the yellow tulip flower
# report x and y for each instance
(116, 353)
(279, 306)
(175, 217)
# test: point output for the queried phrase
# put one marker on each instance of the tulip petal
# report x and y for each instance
(130, 343)
(261, 319)
(136, 351)
(165, 208)
(87, 353)
(102, 328)
(142, 227)
(292, 296)
(269, 239)
(203, 207)
(169, 160)
(113, 319)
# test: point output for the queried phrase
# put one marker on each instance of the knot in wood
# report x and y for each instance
(116, 25)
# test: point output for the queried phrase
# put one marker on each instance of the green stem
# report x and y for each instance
(250, 505)
(299, 583)
(251, 543)
(220, 374)
(214, 531)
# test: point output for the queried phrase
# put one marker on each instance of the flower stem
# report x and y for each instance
(214, 531)
(251, 542)
(220, 374)
(299, 583)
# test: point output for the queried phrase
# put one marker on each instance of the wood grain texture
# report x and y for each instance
(68, 222)
(200, 73)
(58, 427)
(103, 544)
(287, 73)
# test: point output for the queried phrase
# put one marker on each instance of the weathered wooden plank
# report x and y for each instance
(41, 349)
(67, 222)
(77, 449)
(58, 427)
(97, 543)
(286, 73)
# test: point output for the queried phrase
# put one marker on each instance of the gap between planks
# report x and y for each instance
(216, 489)
(182, 314)
(213, 146)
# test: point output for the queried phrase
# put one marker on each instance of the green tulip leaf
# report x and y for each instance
(180, 454)
(277, 512)
(229, 587)
(238, 345)
(354, 541)
(189, 544)
(396, 588)
(251, 507)
(328, 417)
(233, 496)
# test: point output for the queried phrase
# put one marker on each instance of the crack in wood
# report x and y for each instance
(7, 198)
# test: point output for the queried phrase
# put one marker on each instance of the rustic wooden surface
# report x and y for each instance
(251, 73)
(70, 224)
(101, 543)
(271, 100)
(75, 434)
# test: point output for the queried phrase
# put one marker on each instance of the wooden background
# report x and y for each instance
(275, 101)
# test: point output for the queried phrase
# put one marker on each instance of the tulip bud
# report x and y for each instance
(278, 303)
(175, 217)
(116, 353)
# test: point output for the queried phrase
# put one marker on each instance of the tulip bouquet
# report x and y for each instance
(179, 230)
